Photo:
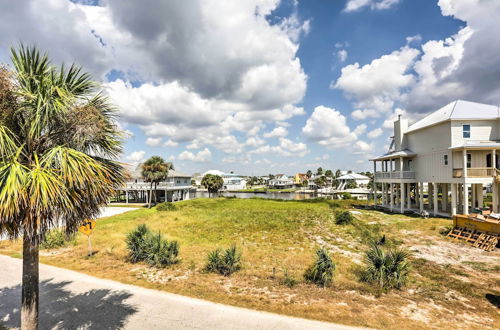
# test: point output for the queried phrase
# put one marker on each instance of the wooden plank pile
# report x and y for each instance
(483, 240)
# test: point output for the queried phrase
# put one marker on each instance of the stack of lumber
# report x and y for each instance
(483, 240)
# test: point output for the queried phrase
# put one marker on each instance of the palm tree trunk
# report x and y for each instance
(30, 293)
(156, 197)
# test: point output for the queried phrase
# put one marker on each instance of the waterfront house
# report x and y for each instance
(361, 181)
(442, 162)
(231, 181)
(176, 187)
(281, 181)
(300, 178)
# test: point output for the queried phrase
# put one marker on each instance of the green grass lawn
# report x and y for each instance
(448, 288)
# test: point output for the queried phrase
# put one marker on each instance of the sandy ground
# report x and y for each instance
(71, 300)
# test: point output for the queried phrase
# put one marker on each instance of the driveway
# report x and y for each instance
(71, 300)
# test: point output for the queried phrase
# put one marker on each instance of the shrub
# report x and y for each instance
(288, 280)
(445, 230)
(143, 245)
(343, 218)
(346, 195)
(386, 270)
(54, 239)
(321, 271)
(166, 206)
(223, 262)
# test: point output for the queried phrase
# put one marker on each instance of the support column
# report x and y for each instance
(466, 198)
(480, 199)
(453, 199)
(126, 195)
(494, 192)
(444, 197)
(384, 197)
(408, 196)
(392, 196)
(430, 194)
(435, 198)
(473, 195)
(421, 196)
(402, 193)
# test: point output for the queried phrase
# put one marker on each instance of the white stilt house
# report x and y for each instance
(443, 162)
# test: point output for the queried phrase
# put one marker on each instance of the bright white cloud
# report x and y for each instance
(136, 156)
(170, 143)
(328, 127)
(277, 132)
(374, 133)
(355, 5)
(286, 147)
(153, 142)
(201, 156)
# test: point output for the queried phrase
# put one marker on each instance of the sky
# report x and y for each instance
(267, 86)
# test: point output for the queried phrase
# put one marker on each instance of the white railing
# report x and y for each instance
(395, 175)
(160, 186)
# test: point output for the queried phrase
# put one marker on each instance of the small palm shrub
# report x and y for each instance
(144, 245)
(55, 238)
(288, 280)
(386, 270)
(321, 271)
(166, 206)
(343, 218)
(223, 262)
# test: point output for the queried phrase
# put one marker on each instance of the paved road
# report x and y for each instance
(71, 300)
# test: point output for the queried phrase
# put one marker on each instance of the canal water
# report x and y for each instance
(268, 195)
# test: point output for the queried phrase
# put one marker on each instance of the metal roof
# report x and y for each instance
(353, 176)
(477, 145)
(396, 154)
(458, 110)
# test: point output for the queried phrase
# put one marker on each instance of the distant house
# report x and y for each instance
(362, 181)
(175, 187)
(300, 178)
(281, 181)
(231, 181)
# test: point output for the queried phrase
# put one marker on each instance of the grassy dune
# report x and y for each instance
(451, 286)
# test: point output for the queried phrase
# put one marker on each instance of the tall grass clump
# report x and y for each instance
(56, 238)
(322, 270)
(223, 262)
(343, 218)
(386, 270)
(144, 245)
(166, 206)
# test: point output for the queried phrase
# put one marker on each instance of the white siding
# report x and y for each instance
(481, 130)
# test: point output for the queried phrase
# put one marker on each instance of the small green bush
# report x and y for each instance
(144, 245)
(386, 270)
(346, 195)
(223, 262)
(55, 238)
(321, 271)
(445, 230)
(343, 218)
(288, 280)
(166, 206)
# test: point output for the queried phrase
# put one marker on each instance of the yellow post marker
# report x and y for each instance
(86, 229)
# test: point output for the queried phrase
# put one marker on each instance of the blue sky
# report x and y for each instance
(268, 86)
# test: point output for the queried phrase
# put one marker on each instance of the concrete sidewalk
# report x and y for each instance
(71, 300)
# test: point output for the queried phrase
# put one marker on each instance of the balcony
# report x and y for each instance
(477, 172)
(395, 175)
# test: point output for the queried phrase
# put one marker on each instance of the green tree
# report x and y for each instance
(320, 182)
(329, 173)
(319, 171)
(155, 170)
(213, 183)
(309, 173)
(338, 173)
(58, 148)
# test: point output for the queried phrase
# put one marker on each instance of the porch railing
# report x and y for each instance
(395, 175)
(476, 172)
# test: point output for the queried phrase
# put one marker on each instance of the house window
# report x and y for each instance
(466, 131)
(469, 160)
(445, 159)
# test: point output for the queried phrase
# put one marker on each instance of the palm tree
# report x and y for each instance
(155, 170)
(213, 183)
(58, 145)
